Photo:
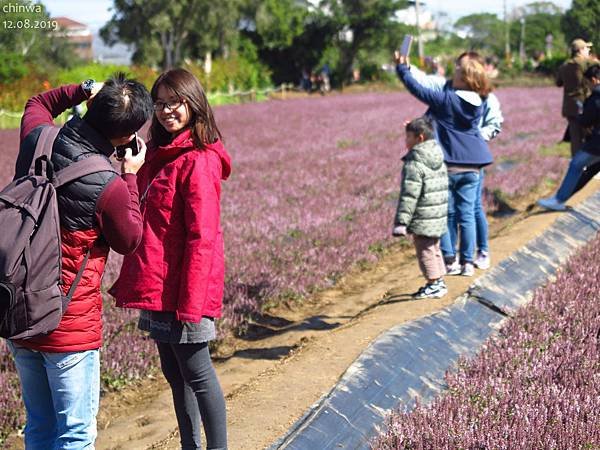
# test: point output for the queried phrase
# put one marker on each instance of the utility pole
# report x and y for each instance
(522, 54)
(506, 36)
(419, 38)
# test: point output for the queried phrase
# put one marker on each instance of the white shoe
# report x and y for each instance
(552, 203)
(432, 290)
(482, 261)
(454, 268)
(467, 270)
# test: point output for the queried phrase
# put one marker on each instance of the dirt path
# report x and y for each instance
(271, 381)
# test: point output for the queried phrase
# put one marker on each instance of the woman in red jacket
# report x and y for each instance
(176, 274)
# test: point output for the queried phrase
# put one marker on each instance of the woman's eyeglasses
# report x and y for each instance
(171, 106)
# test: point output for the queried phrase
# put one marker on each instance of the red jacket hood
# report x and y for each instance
(159, 156)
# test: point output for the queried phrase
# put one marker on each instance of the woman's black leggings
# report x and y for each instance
(197, 394)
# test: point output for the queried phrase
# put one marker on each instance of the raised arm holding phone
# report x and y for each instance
(60, 371)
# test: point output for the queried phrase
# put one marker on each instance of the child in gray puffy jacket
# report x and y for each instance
(423, 204)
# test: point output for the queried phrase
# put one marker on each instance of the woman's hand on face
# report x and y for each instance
(132, 163)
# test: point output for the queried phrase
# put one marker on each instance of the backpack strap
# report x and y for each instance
(81, 168)
(44, 145)
(67, 299)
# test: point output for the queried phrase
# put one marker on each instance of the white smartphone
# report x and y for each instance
(406, 43)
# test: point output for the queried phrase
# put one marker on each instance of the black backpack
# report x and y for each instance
(32, 302)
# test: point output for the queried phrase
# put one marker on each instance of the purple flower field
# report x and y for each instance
(315, 183)
(536, 385)
(313, 191)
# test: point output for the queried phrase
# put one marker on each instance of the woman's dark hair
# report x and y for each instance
(592, 72)
(120, 108)
(202, 121)
(421, 126)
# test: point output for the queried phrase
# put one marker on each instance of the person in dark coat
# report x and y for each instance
(586, 162)
(570, 78)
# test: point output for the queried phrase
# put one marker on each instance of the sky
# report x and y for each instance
(95, 13)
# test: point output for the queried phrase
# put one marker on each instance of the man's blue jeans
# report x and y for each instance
(61, 394)
(462, 193)
(580, 161)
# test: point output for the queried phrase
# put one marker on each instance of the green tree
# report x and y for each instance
(217, 32)
(362, 27)
(279, 22)
(541, 19)
(27, 38)
(166, 32)
(582, 20)
(482, 31)
(289, 35)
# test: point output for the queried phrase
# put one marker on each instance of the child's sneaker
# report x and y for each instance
(437, 289)
(453, 268)
(467, 270)
(482, 261)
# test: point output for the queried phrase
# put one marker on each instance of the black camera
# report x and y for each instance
(133, 145)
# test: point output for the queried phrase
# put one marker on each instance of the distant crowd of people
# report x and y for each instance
(441, 199)
(316, 81)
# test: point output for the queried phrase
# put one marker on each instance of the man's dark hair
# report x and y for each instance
(593, 72)
(421, 125)
(120, 108)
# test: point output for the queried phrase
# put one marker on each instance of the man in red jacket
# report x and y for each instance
(60, 372)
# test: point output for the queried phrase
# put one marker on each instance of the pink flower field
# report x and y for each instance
(313, 192)
(535, 386)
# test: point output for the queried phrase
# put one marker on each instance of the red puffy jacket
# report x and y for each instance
(97, 212)
(179, 265)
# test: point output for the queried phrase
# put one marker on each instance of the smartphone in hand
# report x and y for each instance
(406, 44)
(133, 145)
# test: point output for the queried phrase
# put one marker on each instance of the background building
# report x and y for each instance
(78, 35)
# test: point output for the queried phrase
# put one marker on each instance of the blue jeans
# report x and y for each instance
(61, 393)
(481, 223)
(462, 193)
(580, 161)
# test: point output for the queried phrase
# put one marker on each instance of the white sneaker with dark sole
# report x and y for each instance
(432, 290)
(482, 261)
(468, 270)
(454, 268)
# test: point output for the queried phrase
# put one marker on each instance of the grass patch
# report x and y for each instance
(562, 149)
(346, 143)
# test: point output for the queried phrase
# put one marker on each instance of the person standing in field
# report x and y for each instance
(489, 127)
(586, 162)
(457, 113)
(575, 90)
(60, 372)
(423, 204)
(176, 275)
